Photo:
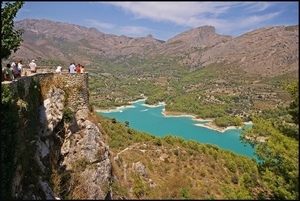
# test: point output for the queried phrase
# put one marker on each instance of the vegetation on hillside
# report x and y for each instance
(279, 151)
(176, 168)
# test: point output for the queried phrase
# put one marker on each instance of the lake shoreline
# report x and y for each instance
(117, 109)
(209, 122)
(208, 125)
(157, 121)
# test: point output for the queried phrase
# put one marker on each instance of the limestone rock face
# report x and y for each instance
(87, 144)
(51, 111)
(76, 146)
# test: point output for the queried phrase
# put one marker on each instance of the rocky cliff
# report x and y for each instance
(55, 138)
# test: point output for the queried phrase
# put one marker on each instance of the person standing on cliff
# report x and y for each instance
(15, 70)
(78, 67)
(82, 69)
(72, 68)
(8, 75)
(58, 69)
(14, 65)
(20, 67)
(32, 66)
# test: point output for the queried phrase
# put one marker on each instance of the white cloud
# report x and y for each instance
(195, 14)
(226, 17)
(256, 19)
(256, 7)
(176, 12)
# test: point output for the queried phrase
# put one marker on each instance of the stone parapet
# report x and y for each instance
(72, 81)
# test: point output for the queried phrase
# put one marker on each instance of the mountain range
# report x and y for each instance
(268, 51)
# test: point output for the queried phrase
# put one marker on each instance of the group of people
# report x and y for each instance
(72, 68)
(76, 69)
(14, 70)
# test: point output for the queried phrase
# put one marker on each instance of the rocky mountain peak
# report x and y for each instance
(197, 37)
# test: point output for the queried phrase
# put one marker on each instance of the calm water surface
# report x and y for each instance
(151, 120)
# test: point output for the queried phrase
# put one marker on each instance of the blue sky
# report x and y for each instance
(164, 20)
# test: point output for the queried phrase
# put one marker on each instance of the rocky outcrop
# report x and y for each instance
(140, 168)
(67, 142)
(87, 143)
(51, 112)
(80, 139)
(200, 37)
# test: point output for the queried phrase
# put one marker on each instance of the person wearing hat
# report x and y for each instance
(32, 66)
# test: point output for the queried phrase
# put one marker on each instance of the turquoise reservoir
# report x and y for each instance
(151, 120)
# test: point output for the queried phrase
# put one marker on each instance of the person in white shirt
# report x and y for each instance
(72, 68)
(20, 68)
(32, 66)
(58, 69)
(14, 66)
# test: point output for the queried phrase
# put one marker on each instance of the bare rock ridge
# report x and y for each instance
(199, 37)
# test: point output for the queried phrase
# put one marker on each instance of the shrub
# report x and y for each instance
(68, 114)
(158, 141)
(234, 179)
(176, 152)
